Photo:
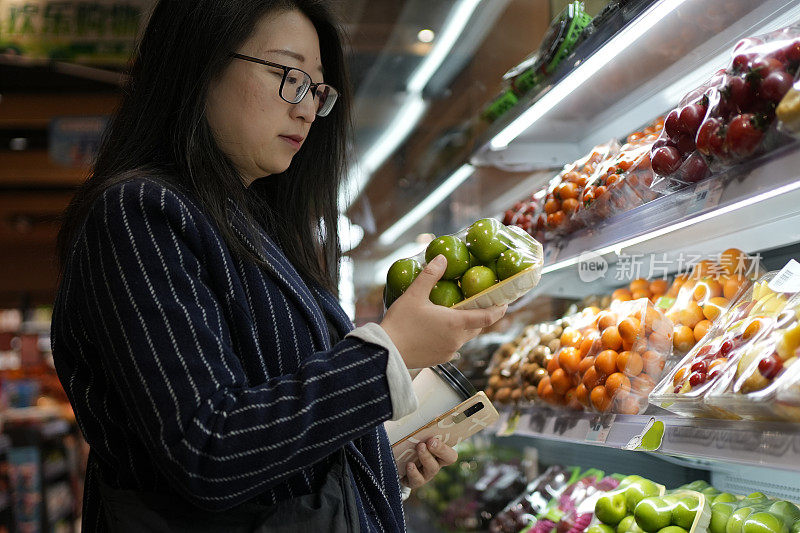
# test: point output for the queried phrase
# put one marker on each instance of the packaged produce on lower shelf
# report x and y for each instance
(753, 316)
(488, 264)
(615, 506)
(575, 508)
(755, 513)
(611, 363)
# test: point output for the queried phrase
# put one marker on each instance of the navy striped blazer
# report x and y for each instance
(200, 375)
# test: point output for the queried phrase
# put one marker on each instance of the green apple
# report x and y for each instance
(638, 490)
(628, 480)
(736, 521)
(788, 511)
(512, 261)
(401, 274)
(764, 522)
(653, 514)
(492, 265)
(610, 508)
(672, 529)
(600, 528)
(483, 239)
(473, 261)
(796, 527)
(720, 513)
(724, 497)
(446, 293)
(454, 250)
(685, 511)
(477, 279)
(626, 524)
(697, 485)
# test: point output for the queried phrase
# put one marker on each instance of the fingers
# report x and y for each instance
(445, 455)
(482, 318)
(430, 466)
(414, 476)
(433, 272)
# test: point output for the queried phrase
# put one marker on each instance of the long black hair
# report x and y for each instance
(160, 130)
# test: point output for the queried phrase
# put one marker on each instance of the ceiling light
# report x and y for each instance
(593, 64)
(350, 235)
(426, 206)
(426, 36)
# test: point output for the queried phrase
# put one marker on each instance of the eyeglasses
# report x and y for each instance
(296, 83)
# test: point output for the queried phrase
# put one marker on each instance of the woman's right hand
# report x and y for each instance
(427, 334)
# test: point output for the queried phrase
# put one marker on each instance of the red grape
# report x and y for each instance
(686, 144)
(776, 85)
(700, 366)
(696, 379)
(743, 135)
(672, 125)
(691, 117)
(695, 168)
(666, 160)
(711, 137)
(739, 93)
(770, 366)
(792, 51)
(704, 350)
(677, 389)
(726, 348)
(763, 66)
(714, 374)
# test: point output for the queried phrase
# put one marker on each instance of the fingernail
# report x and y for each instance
(434, 443)
(439, 260)
(421, 447)
(411, 467)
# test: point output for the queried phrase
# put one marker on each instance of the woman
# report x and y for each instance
(213, 373)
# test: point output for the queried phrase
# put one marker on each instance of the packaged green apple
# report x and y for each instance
(614, 510)
(755, 513)
(751, 318)
(761, 386)
(678, 511)
(488, 264)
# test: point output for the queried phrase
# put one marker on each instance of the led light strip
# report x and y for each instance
(426, 206)
(618, 247)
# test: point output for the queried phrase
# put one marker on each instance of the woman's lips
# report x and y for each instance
(292, 141)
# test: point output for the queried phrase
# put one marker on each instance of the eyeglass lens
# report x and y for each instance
(297, 83)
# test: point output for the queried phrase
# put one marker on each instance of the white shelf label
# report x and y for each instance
(599, 428)
(706, 195)
(788, 279)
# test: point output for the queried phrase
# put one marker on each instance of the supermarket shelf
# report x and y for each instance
(638, 73)
(763, 444)
(754, 207)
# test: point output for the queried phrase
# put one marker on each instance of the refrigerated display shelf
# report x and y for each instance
(764, 444)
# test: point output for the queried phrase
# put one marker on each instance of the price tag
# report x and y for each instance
(706, 195)
(509, 425)
(788, 279)
(599, 428)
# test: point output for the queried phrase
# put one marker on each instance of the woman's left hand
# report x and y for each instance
(433, 455)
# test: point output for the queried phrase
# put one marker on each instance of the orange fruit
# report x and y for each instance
(703, 269)
(585, 364)
(628, 405)
(630, 329)
(591, 378)
(653, 363)
(643, 384)
(630, 363)
(677, 284)
(588, 342)
(683, 338)
(658, 343)
(610, 339)
(618, 385)
(682, 373)
(639, 295)
(658, 287)
(600, 398)
(571, 337)
(733, 261)
(606, 362)
(732, 286)
(752, 328)
(717, 362)
(545, 382)
(714, 307)
(568, 359)
(552, 364)
(707, 288)
(622, 295)
(560, 381)
(640, 284)
(701, 329)
(548, 393)
(691, 315)
(606, 319)
(582, 394)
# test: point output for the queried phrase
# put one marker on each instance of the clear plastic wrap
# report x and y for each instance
(685, 509)
(753, 316)
(615, 508)
(488, 264)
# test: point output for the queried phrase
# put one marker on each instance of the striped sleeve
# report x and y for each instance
(156, 321)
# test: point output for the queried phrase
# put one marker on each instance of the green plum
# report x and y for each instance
(483, 239)
(724, 497)
(720, 514)
(477, 279)
(685, 511)
(673, 529)
(627, 480)
(639, 489)
(401, 275)
(600, 528)
(653, 514)
(473, 261)
(736, 521)
(626, 524)
(446, 293)
(764, 522)
(610, 508)
(388, 296)
(697, 485)
(454, 250)
(492, 265)
(512, 261)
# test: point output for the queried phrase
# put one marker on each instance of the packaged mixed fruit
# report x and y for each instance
(488, 264)
(753, 316)
(612, 363)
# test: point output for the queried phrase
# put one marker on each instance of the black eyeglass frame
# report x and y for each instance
(312, 87)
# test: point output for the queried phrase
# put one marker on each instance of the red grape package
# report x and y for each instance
(731, 118)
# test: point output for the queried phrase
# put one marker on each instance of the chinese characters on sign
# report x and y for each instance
(658, 266)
